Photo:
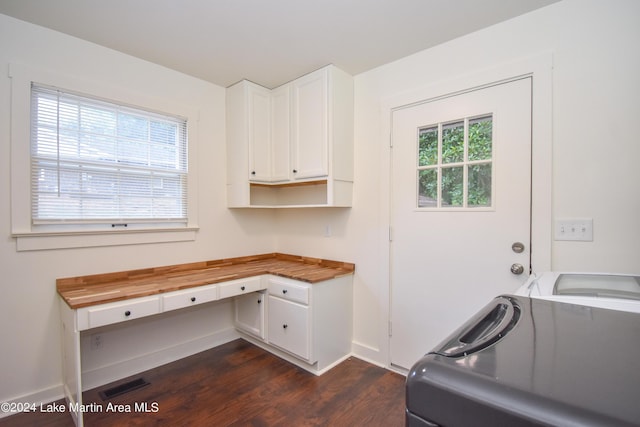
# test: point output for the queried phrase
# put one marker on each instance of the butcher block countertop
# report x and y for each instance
(97, 289)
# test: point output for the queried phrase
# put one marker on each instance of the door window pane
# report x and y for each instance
(453, 142)
(480, 185)
(428, 146)
(428, 188)
(480, 134)
(452, 186)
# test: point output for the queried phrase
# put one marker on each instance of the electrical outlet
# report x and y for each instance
(576, 229)
(96, 342)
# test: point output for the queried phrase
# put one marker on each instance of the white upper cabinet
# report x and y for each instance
(310, 127)
(291, 146)
(259, 123)
(280, 134)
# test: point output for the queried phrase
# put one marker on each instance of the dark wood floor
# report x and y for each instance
(241, 384)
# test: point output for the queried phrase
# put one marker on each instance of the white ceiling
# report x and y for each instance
(267, 41)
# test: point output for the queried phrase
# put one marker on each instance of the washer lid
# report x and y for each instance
(598, 285)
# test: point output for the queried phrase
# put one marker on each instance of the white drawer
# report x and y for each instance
(106, 314)
(189, 297)
(290, 291)
(239, 287)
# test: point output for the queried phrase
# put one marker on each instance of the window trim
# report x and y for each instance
(30, 237)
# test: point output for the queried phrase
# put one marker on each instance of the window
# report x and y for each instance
(99, 153)
(97, 162)
(454, 168)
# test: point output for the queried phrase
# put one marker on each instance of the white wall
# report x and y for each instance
(596, 91)
(30, 360)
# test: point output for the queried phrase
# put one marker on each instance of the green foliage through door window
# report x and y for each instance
(455, 164)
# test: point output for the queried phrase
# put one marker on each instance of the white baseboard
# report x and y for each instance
(281, 354)
(292, 359)
(37, 398)
(106, 374)
(368, 354)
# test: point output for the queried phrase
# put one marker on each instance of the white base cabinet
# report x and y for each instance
(250, 313)
(308, 324)
(289, 327)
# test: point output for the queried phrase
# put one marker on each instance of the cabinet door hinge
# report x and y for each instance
(390, 234)
(390, 328)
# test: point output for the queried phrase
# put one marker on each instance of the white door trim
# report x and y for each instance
(540, 67)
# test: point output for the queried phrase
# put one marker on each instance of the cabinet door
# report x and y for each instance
(259, 122)
(250, 313)
(309, 139)
(280, 133)
(289, 327)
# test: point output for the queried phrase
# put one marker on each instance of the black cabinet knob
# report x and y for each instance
(259, 301)
(193, 299)
(242, 288)
(295, 171)
(285, 326)
(127, 313)
(253, 172)
(284, 291)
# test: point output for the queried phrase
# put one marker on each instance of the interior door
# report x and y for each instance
(460, 213)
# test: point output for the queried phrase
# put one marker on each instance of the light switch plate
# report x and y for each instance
(576, 229)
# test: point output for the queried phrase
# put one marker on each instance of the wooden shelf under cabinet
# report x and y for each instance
(318, 193)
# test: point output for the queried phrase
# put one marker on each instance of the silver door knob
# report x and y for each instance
(517, 268)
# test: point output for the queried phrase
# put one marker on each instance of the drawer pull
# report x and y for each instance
(242, 288)
(285, 326)
(284, 291)
(127, 313)
(193, 299)
(259, 301)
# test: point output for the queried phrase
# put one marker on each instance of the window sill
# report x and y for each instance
(34, 241)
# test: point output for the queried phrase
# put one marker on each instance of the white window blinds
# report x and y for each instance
(98, 162)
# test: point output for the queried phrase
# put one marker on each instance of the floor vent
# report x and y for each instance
(123, 388)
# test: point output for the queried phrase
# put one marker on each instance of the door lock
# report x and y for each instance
(517, 247)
